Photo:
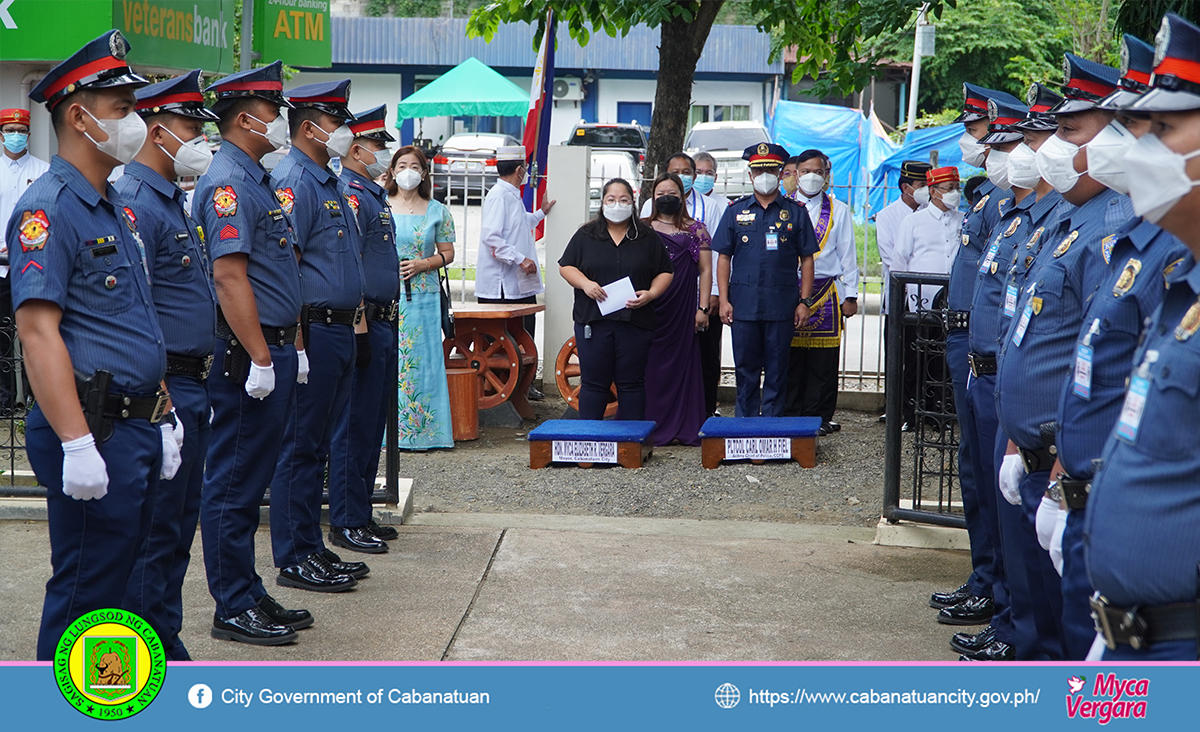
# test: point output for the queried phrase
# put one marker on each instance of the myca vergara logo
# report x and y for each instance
(1111, 698)
(109, 664)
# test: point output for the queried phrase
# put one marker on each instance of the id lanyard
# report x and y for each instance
(1135, 399)
(1083, 363)
(703, 207)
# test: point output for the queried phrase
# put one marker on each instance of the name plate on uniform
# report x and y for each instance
(583, 451)
(758, 448)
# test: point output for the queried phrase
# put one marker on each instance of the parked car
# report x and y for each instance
(606, 165)
(466, 165)
(628, 137)
(725, 141)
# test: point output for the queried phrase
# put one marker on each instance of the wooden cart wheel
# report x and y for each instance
(494, 360)
(566, 368)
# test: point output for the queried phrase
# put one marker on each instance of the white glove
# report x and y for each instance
(301, 367)
(1011, 472)
(261, 381)
(1047, 514)
(1056, 554)
(172, 445)
(1096, 652)
(84, 474)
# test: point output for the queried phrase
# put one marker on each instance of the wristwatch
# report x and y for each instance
(808, 302)
(704, 310)
(1054, 490)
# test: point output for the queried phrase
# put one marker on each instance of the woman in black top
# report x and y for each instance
(614, 348)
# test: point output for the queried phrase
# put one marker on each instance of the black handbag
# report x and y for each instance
(447, 313)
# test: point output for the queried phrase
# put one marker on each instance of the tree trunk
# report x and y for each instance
(679, 50)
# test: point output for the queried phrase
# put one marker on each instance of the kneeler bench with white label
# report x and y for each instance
(587, 442)
(759, 438)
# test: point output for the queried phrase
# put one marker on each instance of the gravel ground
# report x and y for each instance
(492, 475)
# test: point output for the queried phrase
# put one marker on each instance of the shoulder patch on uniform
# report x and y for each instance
(352, 201)
(228, 232)
(225, 201)
(35, 229)
(1002, 201)
(1106, 247)
(287, 199)
(982, 202)
(1169, 269)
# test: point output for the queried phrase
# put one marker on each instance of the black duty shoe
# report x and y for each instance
(385, 533)
(825, 429)
(906, 427)
(294, 619)
(972, 611)
(254, 627)
(357, 539)
(940, 600)
(315, 574)
(535, 394)
(357, 570)
(882, 418)
(835, 426)
(973, 642)
(994, 651)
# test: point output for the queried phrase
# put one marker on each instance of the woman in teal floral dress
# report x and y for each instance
(425, 243)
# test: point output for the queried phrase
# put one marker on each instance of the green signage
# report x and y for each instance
(297, 32)
(50, 30)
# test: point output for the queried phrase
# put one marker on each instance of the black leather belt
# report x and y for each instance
(329, 316)
(194, 366)
(981, 365)
(380, 313)
(957, 319)
(1038, 460)
(122, 406)
(274, 336)
(1075, 492)
(1141, 625)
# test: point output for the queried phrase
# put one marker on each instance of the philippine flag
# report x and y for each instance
(537, 124)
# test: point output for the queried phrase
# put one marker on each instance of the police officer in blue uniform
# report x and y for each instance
(174, 114)
(93, 349)
(759, 237)
(331, 287)
(1141, 545)
(354, 453)
(1038, 351)
(255, 363)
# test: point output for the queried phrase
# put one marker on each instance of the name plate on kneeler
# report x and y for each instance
(583, 451)
(758, 448)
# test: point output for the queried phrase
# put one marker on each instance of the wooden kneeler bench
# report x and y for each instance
(758, 439)
(588, 442)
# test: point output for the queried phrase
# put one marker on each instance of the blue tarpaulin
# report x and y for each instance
(885, 176)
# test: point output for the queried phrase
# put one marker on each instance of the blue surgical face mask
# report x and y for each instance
(704, 183)
(687, 183)
(15, 142)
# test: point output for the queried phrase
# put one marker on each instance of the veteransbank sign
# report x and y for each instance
(174, 34)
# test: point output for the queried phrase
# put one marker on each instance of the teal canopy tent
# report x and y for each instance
(470, 89)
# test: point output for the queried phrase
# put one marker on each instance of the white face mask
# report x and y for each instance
(192, 158)
(1056, 163)
(972, 152)
(339, 141)
(921, 196)
(997, 168)
(125, 136)
(811, 184)
(277, 131)
(618, 212)
(408, 179)
(379, 161)
(1157, 177)
(950, 200)
(1023, 168)
(766, 183)
(1106, 156)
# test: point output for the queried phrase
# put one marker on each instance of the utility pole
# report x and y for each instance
(247, 46)
(922, 46)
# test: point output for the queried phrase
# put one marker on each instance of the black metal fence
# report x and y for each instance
(921, 448)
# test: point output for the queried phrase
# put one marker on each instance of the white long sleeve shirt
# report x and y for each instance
(15, 177)
(838, 257)
(887, 227)
(506, 240)
(927, 242)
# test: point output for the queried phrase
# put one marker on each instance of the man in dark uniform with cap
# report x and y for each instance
(252, 384)
(331, 286)
(1141, 544)
(174, 114)
(92, 346)
(354, 453)
(760, 236)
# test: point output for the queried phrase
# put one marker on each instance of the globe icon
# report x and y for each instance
(728, 696)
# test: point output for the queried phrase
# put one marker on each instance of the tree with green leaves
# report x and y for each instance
(1143, 18)
(833, 35)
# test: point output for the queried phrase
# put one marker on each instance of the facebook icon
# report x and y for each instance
(200, 696)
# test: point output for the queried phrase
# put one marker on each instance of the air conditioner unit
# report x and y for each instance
(568, 89)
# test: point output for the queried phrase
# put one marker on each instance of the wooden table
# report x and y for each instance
(491, 340)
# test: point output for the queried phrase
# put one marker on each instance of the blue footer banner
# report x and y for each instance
(107, 683)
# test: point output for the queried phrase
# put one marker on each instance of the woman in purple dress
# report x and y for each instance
(674, 380)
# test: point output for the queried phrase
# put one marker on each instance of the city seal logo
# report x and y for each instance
(225, 201)
(109, 664)
(35, 229)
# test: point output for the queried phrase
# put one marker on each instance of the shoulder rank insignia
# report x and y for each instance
(1128, 275)
(1106, 247)
(1033, 240)
(35, 229)
(1013, 226)
(287, 199)
(356, 184)
(1035, 303)
(1066, 244)
(352, 202)
(982, 202)
(225, 201)
(130, 218)
(1190, 323)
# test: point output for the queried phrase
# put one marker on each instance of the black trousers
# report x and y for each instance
(530, 321)
(812, 384)
(616, 353)
(710, 361)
